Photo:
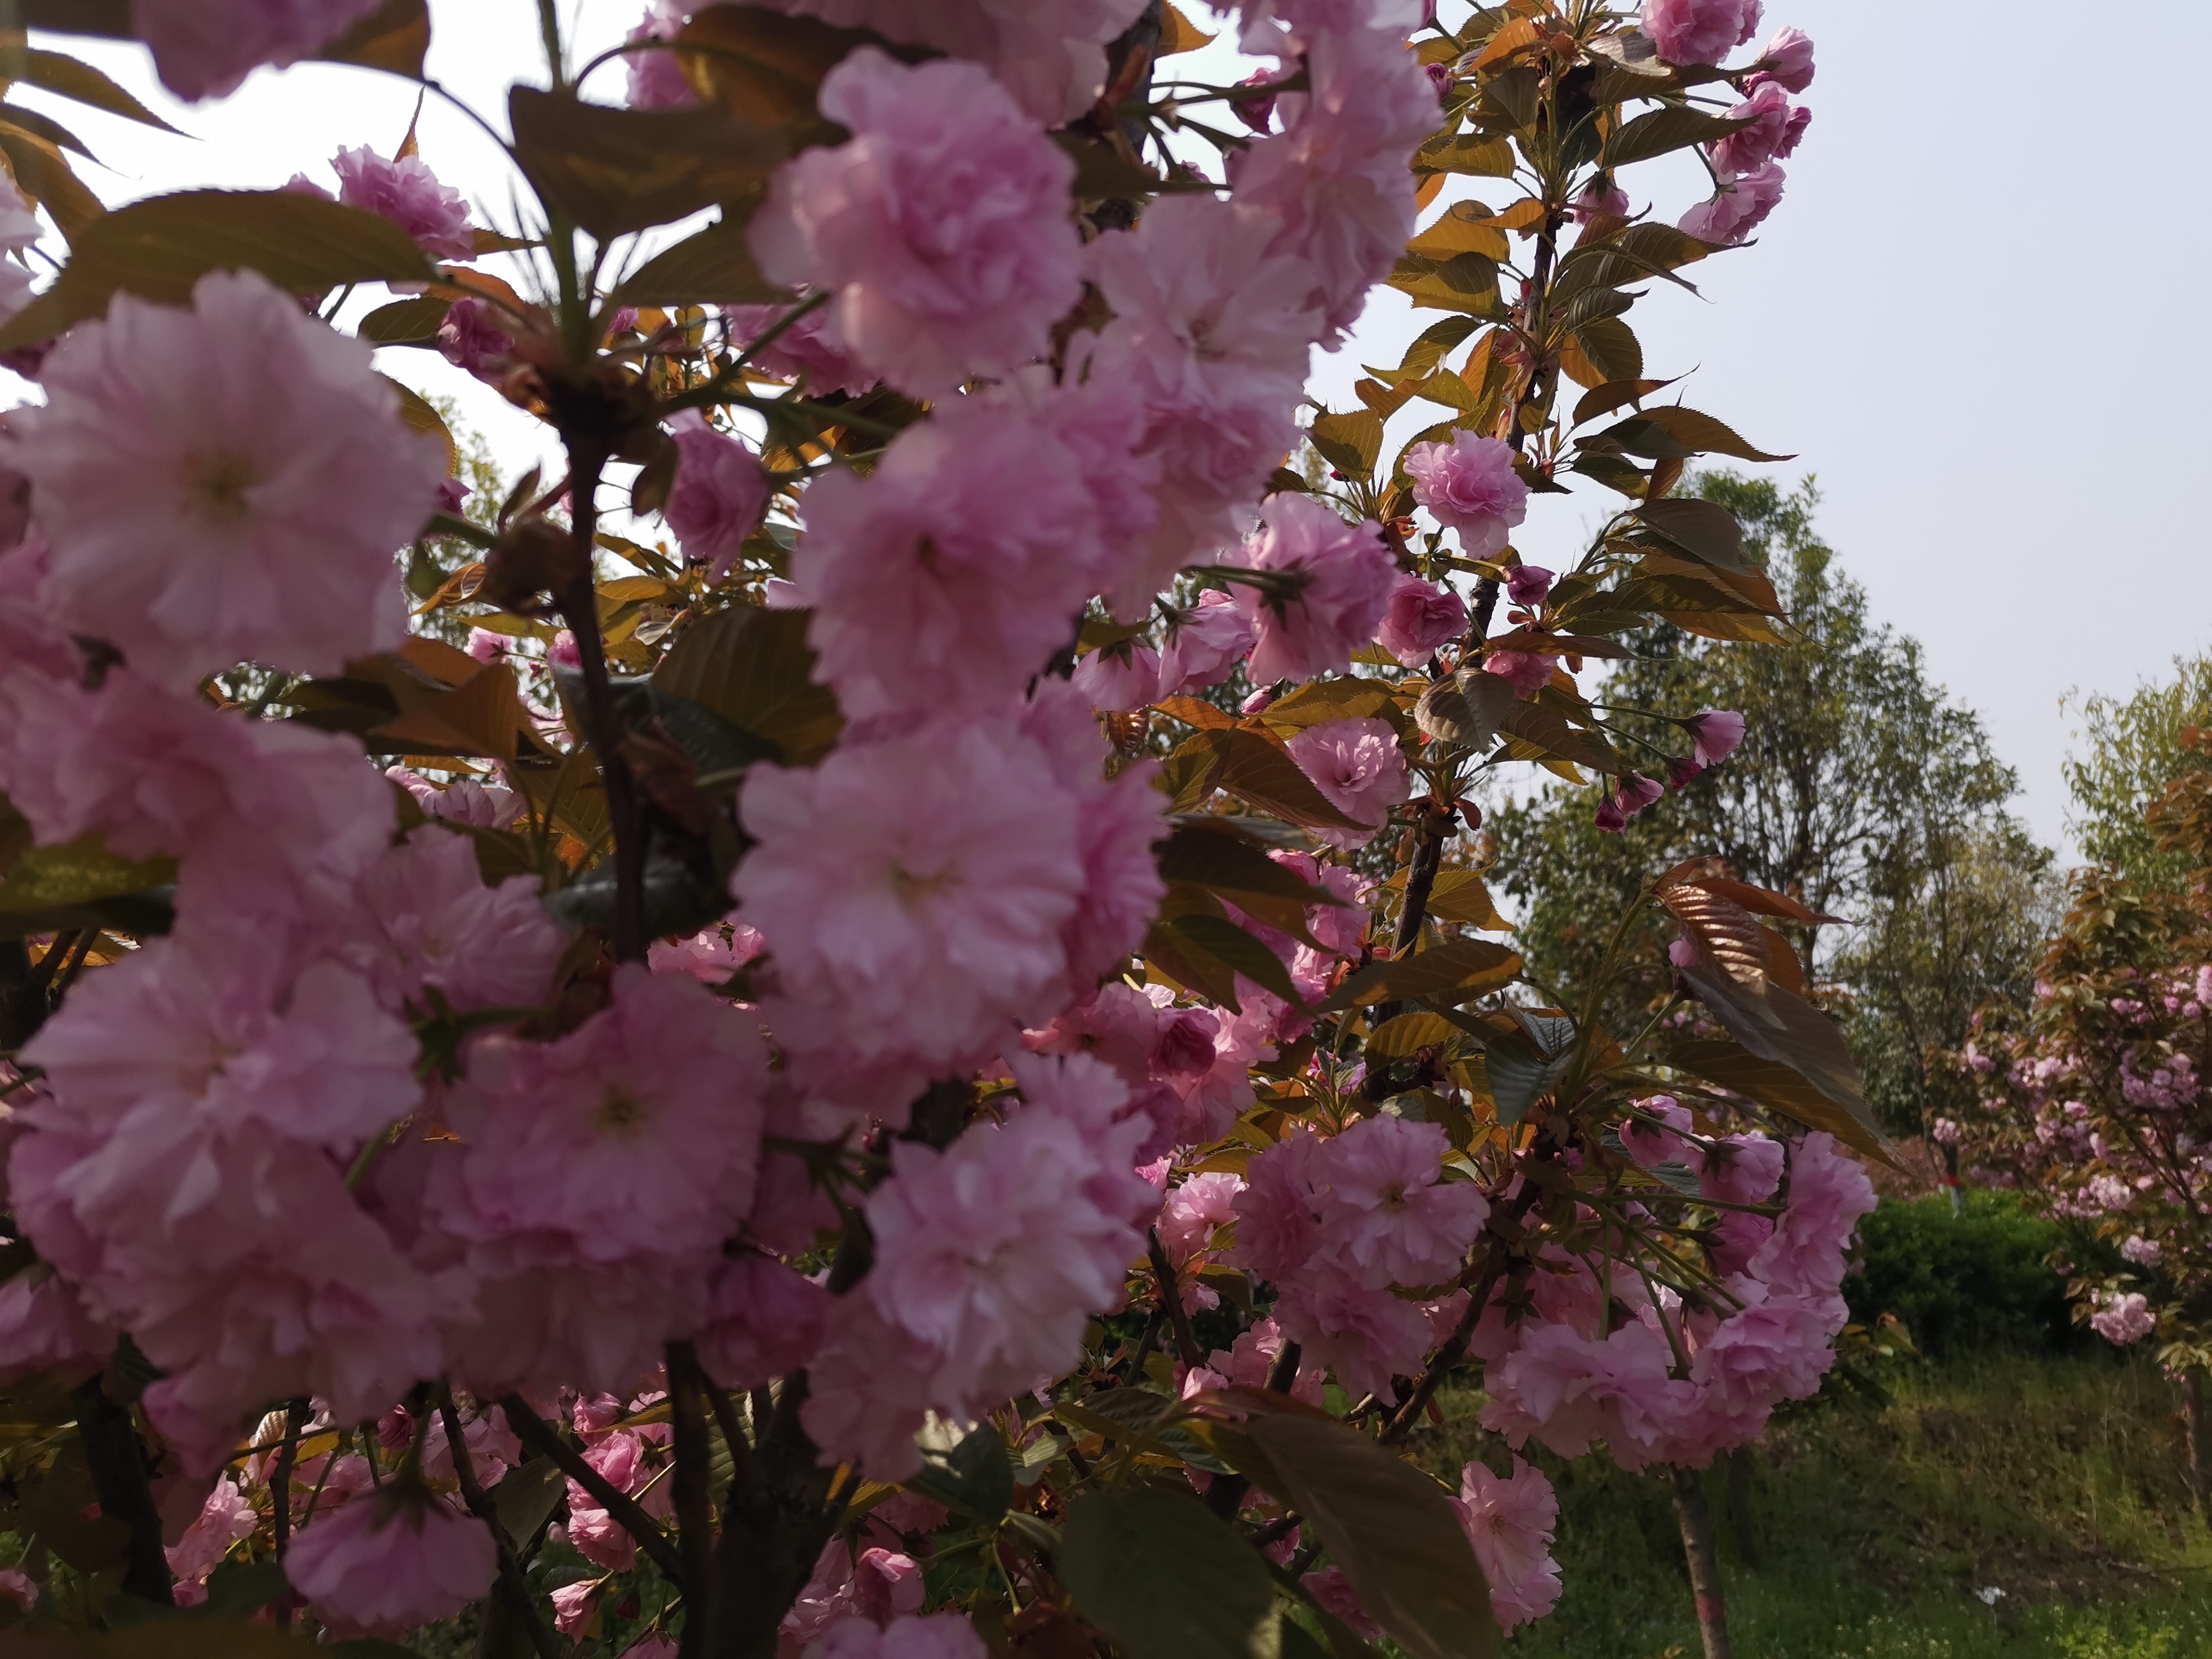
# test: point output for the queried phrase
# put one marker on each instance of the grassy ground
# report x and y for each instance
(2056, 1479)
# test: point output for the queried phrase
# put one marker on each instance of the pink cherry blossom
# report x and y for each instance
(880, 1586)
(657, 80)
(1422, 616)
(1359, 769)
(712, 956)
(923, 934)
(1278, 1226)
(1119, 678)
(435, 924)
(1740, 207)
(1510, 1520)
(2124, 1319)
(1634, 793)
(574, 1606)
(198, 514)
(636, 1135)
(1211, 329)
(1528, 584)
(1700, 31)
(1336, 179)
(391, 1563)
(907, 568)
(805, 349)
(464, 800)
(1789, 59)
(720, 495)
(943, 226)
(1600, 201)
(206, 48)
(1205, 644)
(408, 194)
(1389, 1212)
(939, 1636)
(474, 339)
(19, 230)
(44, 1325)
(226, 1518)
(21, 1590)
(1774, 130)
(1469, 486)
(1333, 1592)
(1527, 672)
(764, 1320)
(1047, 53)
(1715, 734)
(995, 1251)
(1343, 575)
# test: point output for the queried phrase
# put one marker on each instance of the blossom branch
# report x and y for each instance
(542, 1437)
(687, 1410)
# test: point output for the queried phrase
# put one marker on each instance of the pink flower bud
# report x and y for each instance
(1715, 732)
(1789, 59)
(1528, 584)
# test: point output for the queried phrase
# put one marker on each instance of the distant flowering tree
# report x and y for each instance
(772, 1127)
(2096, 1101)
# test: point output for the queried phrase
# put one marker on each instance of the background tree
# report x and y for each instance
(2133, 749)
(1860, 789)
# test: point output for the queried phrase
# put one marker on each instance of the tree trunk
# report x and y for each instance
(1739, 1498)
(1697, 1523)
(2192, 1422)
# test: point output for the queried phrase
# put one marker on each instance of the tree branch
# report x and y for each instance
(1171, 1299)
(542, 1437)
(511, 1579)
(687, 1409)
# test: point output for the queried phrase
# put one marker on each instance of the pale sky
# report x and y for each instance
(1975, 317)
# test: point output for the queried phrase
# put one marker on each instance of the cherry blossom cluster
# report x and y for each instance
(392, 1180)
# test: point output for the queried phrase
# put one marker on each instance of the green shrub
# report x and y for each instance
(1965, 1282)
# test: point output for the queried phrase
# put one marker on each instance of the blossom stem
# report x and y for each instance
(542, 1437)
(514, 1588)
(1171, 1299)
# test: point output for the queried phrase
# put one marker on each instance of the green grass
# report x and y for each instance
(2057, 1478)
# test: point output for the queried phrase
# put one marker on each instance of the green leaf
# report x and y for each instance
(1706, 531)
(1224, 863)
(1390, 1528)
(1782, 1027)
(678, 901)
(1672, 431)
(43, 174)
(1542, 728)
(616, 170)
(238, 1589)
(404, 322)
(1463, 896)
(1262, 775)
(1664, 131)
(1350, 442)
(1346, 697)
(525, 1497)
(752, 667)
(1463, 152)
(1521, 1072)
(82, 885)
(160, 247)
(1612, 348)
(1466, 282)
(714, 267)
(1230, 944)
(1466, 710)
(66, 77)
(1453, 971)
(1409, 1034)
(417, 411)
(972, 1475)
(769, 67)
(1166, 1579)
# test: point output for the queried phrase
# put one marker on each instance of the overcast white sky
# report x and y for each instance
(1976, 317)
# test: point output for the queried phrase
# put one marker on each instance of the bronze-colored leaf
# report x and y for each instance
(714, 267)
(618, 170)
(80, 82)
(160, 247)
(1451, 972)
(754, 668)
(394, 38)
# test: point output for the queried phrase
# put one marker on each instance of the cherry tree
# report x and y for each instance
(804, 1092)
